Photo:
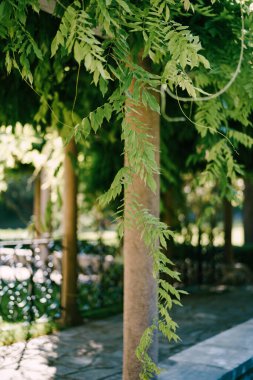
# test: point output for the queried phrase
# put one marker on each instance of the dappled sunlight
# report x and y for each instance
(238, 235)
(84, 350)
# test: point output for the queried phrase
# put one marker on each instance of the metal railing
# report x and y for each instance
(28, 282)
(30, 279)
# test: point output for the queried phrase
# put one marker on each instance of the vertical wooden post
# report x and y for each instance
(36, 206)
(69, 258)
(45, 218)
(228, 222)
(248, 211)
(140, 289)
(200, 258)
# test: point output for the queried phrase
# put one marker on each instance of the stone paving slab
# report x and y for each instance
(94, 351)
(189, 371)
(224, 356)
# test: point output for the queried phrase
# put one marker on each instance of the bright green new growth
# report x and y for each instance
(104, 36)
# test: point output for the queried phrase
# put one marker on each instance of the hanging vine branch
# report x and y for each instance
(227, 86)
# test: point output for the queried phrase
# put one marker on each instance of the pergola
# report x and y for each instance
(140, 286)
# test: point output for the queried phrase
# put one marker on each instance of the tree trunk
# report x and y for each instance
(248, 211)
(69, 258)
(36, 206)
(140, 291)
(228, 222)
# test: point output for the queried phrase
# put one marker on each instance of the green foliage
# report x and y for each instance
(240, 137)
(155, 234)
(122, 177)
(140, 152)
(21, 48)
(94, 121)
(76, 33)
(139, 47)
(149, 367)
(21, 331)
(209, 117)
(220, 160)
(221, 116)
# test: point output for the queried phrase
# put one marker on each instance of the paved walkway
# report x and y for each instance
(94, 351)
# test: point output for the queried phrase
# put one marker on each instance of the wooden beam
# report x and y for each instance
(36, 206)
(48, 6)
(69, 259)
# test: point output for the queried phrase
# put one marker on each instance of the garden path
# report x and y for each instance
(94, 351)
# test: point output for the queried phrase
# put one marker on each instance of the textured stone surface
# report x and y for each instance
(222, 357)
(94, 351)
(229, 352)
(172, 370)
